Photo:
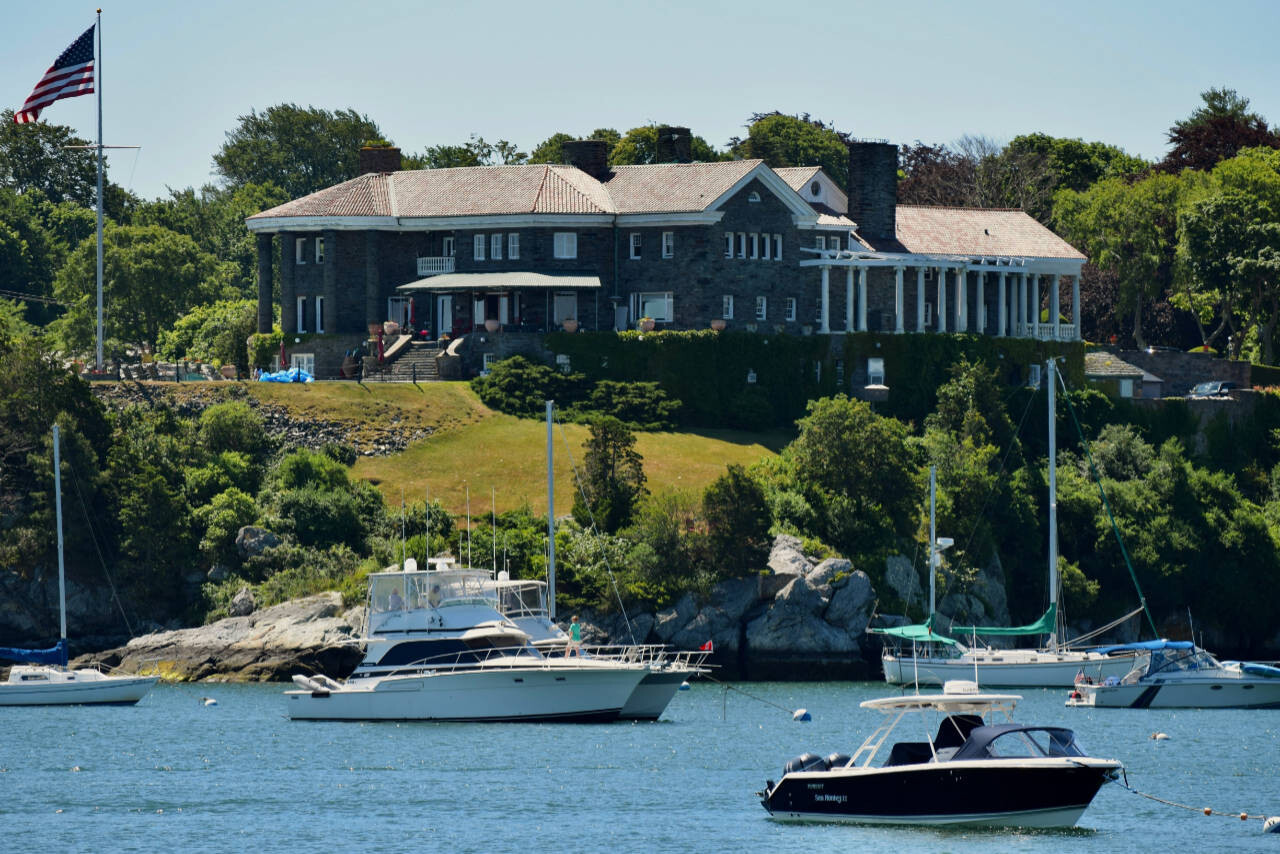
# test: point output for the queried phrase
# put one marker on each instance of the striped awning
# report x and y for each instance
(500, 281)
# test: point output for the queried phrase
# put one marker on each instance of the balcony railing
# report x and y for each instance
(435, 266)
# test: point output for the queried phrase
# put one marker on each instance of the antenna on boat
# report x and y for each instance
(1051, 367)
(427, 503)
(62, 583)
(403, 548)
(468, 525)
(551, 519)
(493, 525)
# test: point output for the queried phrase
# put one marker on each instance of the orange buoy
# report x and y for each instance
(1208, 810)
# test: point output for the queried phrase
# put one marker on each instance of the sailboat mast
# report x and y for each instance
(933, 536)
(551, 522)
(62, 579)
(97, 85)
(1053, 497)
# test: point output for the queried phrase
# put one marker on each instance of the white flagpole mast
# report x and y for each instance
(97, 70)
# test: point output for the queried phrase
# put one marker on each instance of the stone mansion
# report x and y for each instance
(683, 244)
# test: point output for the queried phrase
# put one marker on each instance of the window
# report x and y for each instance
(513, 246)
(762, 308)
(299, 250)
(300, 314)
(446, 247)
(839, 372)
(777, 247)
(1033, 376)
(495, 247)
(726, 306)
(1126, 388)
(815, 189)
(822, 242)
(566, 244)
(319, 250)
(728, 244)
(635, 245)
(742, 244)
(755, 246)
(319, 314)
(753, 196)
(764, 246)
(928, 314)
(477, 247)
(875, 371)
(658, 305)
(791, 308)
(303, 361)
(668, 244)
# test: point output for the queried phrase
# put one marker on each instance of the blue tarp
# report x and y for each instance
(56, 654)
(1143, 645)
(292, 375)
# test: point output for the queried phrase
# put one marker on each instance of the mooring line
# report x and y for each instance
(728, 688)
(1243, 816)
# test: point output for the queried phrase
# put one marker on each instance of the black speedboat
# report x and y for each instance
(974, 771)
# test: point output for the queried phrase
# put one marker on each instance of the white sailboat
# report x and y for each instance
(934, 659)
(44, 679)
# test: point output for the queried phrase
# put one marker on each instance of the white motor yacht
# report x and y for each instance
(436, 648)
(1180, 675)
(975, 771)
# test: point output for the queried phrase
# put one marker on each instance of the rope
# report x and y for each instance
(728, 688)
(1205, 810)
(93, 538)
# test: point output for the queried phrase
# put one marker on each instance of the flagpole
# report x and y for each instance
(98, 86)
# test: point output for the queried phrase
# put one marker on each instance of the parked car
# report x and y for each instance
(1212, 388)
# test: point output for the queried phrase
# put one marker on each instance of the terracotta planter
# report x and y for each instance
(718, 324)
(492, 324)
(569, 324)
(646, 325)
(228, 371)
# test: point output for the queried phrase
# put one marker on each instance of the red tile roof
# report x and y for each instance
(978, 231)
(674, 187)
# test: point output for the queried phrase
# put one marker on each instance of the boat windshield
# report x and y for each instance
(521, 600)
(1020, 743)
(397, 591)
(1172, 660)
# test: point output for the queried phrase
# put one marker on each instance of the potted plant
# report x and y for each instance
(491, 324)
(569, 324)
(718, 324)
(646, 324)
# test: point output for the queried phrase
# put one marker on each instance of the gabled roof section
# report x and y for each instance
(1103, 365)
(978, 231)
(366, 195)
(675, 187)
(797, 177)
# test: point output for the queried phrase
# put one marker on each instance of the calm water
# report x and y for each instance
(171, 774)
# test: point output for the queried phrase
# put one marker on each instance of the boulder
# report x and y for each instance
(787, 558)
(901, 577)
(720, 620)
(217, 573)
(851, 604)
(242, 604)
(674, 619)
(793, 625)
(252, 541)
(822, 575)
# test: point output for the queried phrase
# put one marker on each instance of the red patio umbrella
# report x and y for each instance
(283, 363)
(411, 311)
(379, 347)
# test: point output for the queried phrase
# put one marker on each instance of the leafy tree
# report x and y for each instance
(35, 156)
(519, 386)
(613, 477)
(474, 152)
(307, 468)
(214, 333)
(971, 405)
(935, 175)
(1216, 131)
(737, 522)
(222, 519)
(781, 140)
(639, 146)
(1028, 171)
(641, 405)
(298, 149)
(226, 470)
(235, 427)
(550, 150)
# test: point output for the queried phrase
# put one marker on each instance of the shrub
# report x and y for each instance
(519, 386)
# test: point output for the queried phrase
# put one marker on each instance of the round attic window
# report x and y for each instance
(815, 188)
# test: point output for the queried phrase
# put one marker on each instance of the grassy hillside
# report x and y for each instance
(471, 445)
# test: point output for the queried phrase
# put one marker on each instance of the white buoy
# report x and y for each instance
(801, 715)
(1159, 736)
(208, 701)
(684, 686)
(1271, 825)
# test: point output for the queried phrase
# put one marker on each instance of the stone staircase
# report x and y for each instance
(417, 362)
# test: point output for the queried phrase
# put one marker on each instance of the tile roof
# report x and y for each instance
(797, 176)
(978, 231)
(674, 187)
(1107, 365)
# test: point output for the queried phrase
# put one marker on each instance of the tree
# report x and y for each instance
(215, 332)
(935, 175)
(1215, 131)
(781, 140)
(737, 522)
(639, 146)
(613, 477)
(35, 156)
(474, 152)
(1028, 171)
(550, 150)
(298, 149)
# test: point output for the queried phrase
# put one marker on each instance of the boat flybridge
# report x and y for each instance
(981, 768)
(437, 648)
(524, 602)
(1180, 675)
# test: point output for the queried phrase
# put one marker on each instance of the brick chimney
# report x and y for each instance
(589, 155)
(675, 145)
(380, 158)
(873, 188)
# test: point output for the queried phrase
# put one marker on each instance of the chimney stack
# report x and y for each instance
(379, 158)
(589, 155)
(675, 145)
(873, 188)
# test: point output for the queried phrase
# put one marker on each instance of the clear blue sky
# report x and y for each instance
(177, 75)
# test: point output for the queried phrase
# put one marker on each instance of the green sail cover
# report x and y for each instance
(1046, 625)
(919, 633)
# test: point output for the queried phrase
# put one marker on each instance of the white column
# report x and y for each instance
(1054, 306)
(942, 299)
(899, 307)
(862, 299)
(1075, 306)
(982, 303)
(919, 299)
(1035, 305)
(825, 321)
(1022, 304)
(962, 299)
(1003, 314)
(848, 299)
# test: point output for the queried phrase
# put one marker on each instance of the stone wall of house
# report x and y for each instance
(1181, 371)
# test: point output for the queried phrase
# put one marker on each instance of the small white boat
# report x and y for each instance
(45, 680)
(975, 771)
(1180, 675)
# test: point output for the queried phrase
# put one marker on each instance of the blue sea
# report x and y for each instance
(173, 774)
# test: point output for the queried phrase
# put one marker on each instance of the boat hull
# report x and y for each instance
(103, 691)
(1005, 669)
(515, 694)
(1185, 694)
(652, 696)
(1047, 793)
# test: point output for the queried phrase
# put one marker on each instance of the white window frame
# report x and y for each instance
(928, 315)
(764, 247)
(875, 370)
(477, 247)
(762, 308)
(791, 308)
(319, 250)
(728, 244)
(726, 307)
(649, 300)
(634, 243)
(565, 244)
(777, 247)
(495, 247)
(742, 244)
(668, 244)
(447, 246)
(821, 242)
(513, 246)
(320, 314)
(305, 361)
(300, 250)
(1126, 388)
(300, 314)
(755, 246)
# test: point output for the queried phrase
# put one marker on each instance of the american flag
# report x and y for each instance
(70, 75)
